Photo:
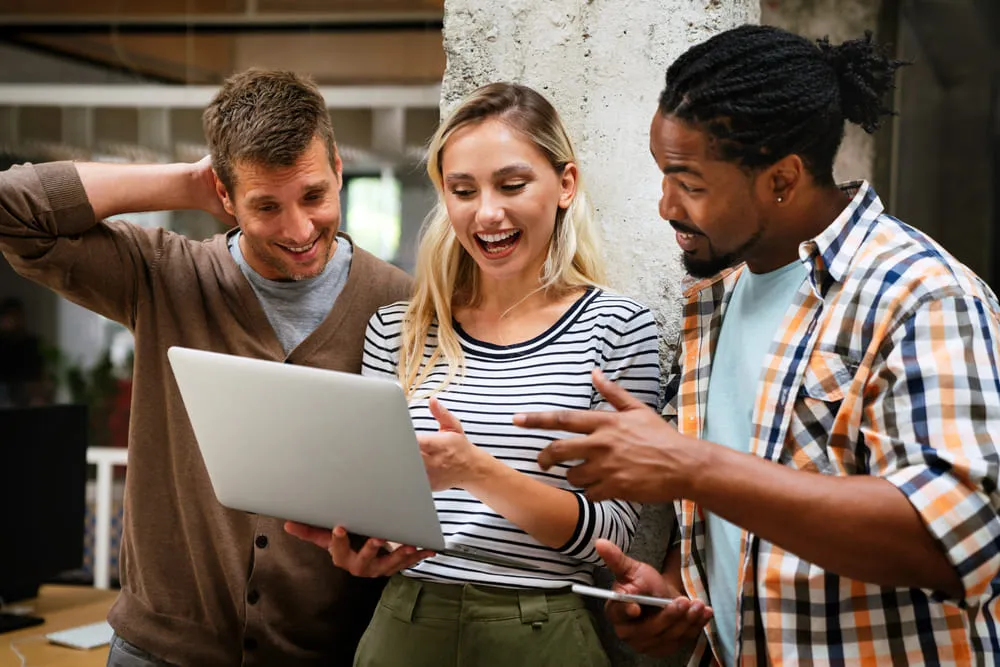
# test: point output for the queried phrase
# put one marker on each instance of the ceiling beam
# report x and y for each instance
(222, 23)
(198, 97)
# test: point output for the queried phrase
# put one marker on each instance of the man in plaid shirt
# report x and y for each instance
(833, 420)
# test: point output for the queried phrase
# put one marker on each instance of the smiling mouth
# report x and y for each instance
(299, 250)
(688, 239)
(684, 230)
(499, 242)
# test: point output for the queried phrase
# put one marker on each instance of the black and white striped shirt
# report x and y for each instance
(549, 372)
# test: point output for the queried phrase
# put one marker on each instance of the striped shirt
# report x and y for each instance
(885, 365)
(549, 372)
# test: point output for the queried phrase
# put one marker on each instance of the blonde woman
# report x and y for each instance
(507, 317)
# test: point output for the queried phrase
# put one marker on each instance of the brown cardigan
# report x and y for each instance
(201, 585)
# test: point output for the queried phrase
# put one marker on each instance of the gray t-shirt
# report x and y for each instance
(296, 307)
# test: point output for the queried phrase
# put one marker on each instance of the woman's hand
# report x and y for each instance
(377, 558)
(451, 460)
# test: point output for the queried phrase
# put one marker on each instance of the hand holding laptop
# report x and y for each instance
(320, 477)
(449, 458)
(376, 558)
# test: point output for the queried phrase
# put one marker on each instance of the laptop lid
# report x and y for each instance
(315, 446)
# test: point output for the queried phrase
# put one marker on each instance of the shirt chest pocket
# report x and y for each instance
(818, 437)
(827, 378)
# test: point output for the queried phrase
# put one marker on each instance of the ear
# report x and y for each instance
(567, 185)
(220, 189)
(783, 180)
(338, 167)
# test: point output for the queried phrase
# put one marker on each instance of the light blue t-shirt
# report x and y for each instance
(755, 311)
(296, 307)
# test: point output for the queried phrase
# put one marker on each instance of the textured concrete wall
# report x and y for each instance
(839, 20)
(602, 64)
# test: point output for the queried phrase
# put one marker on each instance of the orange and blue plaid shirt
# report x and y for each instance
(886, 364)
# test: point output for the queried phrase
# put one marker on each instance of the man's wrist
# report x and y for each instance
(701, 463)
(194, 187)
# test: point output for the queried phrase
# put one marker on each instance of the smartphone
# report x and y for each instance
(605, 594)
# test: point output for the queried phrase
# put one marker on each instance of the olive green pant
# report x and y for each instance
(425, 624)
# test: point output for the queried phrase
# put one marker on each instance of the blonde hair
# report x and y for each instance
(446, 273)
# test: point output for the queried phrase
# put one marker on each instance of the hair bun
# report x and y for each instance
(864, 74)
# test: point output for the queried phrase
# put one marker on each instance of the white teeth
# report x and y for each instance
(302, 249)
(685, 236)
(498, 237)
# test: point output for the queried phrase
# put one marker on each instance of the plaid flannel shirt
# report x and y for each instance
(885, 364)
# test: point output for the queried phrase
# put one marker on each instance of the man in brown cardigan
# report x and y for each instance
(203, 585)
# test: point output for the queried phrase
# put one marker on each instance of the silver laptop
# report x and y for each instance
(315, 446)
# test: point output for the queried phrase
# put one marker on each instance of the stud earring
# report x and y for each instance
(781, 199)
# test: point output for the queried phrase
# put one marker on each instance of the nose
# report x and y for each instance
(297, 226)
(490, 210)
(670, 206)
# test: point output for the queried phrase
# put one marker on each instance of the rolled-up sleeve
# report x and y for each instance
(49, 234)
(932, 427)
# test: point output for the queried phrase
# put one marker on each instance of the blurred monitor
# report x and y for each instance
(43, 476)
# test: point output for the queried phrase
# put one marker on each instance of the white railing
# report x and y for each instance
(105, 458)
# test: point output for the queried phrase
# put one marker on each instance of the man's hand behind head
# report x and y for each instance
(206, 191)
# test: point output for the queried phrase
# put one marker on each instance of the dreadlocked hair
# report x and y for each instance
(763, 93)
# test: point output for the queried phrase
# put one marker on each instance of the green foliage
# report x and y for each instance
(95, 387)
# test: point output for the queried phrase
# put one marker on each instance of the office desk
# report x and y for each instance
(62, 607)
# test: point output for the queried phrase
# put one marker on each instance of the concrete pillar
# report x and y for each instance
(10, 133)
(389, 131)
(154, 131)
(839, 20)
(602, 64)
(78, 127)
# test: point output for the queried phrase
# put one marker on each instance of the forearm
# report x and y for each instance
(49, 233)
(672, 572)
(116, 189)
(548, 514)
(859, 527)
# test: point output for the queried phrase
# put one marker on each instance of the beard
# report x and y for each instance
(706, 268)
(718, 262)
(287, 270)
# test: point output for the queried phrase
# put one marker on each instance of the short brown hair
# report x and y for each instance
(265, 117)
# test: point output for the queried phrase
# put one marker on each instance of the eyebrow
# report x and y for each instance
(502, 172)
(322, 186)
(681, 169)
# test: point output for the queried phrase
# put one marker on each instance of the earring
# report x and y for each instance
(781, 199)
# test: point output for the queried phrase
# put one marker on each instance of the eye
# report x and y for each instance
(315, 196)
(463, 193)
(512, 187)
(685, 187)
(267, 208)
